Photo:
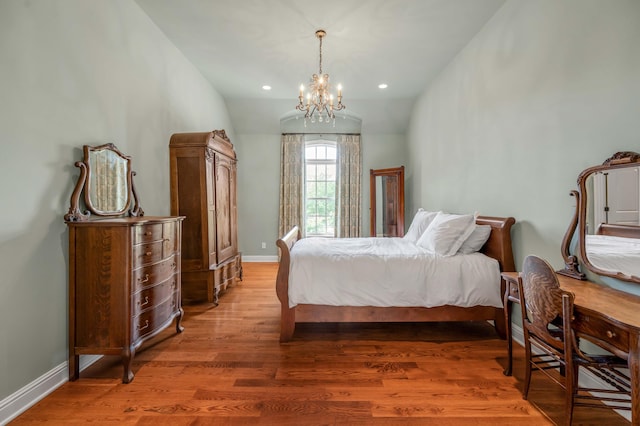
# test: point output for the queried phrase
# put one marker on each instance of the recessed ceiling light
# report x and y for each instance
(382, 86)
(266, 87)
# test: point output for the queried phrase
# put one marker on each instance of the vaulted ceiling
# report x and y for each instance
(241, 45)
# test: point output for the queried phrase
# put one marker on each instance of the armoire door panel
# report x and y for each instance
(223, 201)
(189, 170)
(210, 248)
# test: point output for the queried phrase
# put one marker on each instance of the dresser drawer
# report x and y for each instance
(146, 253)
(602, 330)
(152, 296)
(170, 237)
(153, 319)
(150, 275)
(147, 233)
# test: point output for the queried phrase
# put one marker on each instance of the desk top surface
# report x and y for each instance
(616, 305)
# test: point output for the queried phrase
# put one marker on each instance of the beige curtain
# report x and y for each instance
(291, 183)
(349, 176)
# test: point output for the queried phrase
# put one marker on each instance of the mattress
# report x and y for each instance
(388, 272)
(616, 254)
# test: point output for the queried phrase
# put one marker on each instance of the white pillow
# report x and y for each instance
(476, 240)
(419, 224)
(446, 233)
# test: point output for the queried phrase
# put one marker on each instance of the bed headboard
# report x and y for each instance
(627, 231)
(499, 245)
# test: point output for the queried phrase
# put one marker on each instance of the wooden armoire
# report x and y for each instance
(203, 188)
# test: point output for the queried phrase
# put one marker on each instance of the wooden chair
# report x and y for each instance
(552, 346)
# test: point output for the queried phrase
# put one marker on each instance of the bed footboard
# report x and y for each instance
(288, 315)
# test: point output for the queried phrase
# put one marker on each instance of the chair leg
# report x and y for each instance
(571, 381)
(527, 371)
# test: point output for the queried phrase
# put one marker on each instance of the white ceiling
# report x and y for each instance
(241, 45)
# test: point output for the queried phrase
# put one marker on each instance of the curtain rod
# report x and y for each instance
(322, 133)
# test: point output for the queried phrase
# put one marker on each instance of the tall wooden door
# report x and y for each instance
(617, 196)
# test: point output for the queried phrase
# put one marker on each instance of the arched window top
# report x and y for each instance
(320, 150)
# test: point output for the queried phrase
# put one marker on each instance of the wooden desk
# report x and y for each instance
(611, 318)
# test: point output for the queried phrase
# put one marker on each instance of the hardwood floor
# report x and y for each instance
(228, 368)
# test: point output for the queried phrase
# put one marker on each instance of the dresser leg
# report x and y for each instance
(179, 327)
(127, 360)
(74, 367)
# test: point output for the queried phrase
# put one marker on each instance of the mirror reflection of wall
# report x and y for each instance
(616, 197)
(379, 204)
(387, 206)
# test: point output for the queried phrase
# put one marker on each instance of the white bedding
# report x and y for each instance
(614, 253)
(388, 272)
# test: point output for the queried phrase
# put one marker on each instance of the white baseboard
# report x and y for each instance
(24, 398)
(250, 259)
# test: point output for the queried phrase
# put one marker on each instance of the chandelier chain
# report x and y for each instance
(320, 37)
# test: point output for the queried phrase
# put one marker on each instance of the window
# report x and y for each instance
(320, 188)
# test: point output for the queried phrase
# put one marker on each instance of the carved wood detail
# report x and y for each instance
(622, 157)
(571, 264)
(221, 134)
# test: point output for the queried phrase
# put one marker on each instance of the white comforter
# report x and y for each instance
(614, 253)
(388, 272)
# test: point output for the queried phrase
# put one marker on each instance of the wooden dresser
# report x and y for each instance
(203, 188)
(124, 285)
(124, 272)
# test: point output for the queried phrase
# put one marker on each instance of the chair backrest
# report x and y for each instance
(542, 300)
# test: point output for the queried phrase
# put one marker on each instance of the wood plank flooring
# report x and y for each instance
(228, 368)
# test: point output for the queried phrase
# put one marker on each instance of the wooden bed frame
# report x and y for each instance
(626, 231)
(498, 247)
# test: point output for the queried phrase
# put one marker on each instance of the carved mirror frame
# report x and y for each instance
(579, 222)
(105, 172)
(398, 174)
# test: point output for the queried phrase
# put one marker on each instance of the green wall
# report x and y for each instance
(259, 184)
(545, 89)
(76, 72)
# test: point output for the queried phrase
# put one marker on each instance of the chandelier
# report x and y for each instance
(319, 102)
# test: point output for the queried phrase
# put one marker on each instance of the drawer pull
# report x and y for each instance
(146, 325)
(144, 279)
(146, 301)
(149, 253)
(611, 334)
(148, 234)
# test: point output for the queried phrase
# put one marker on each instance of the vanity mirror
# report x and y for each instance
(387, 202)
(106, 179)
(607, 219)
